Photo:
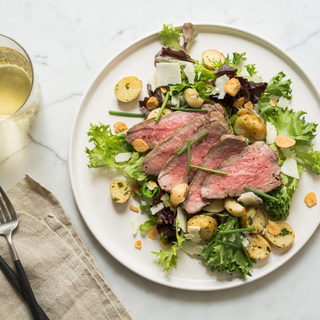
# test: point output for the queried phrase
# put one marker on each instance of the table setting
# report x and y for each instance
(74, 253)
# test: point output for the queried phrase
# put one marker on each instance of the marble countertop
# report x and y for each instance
(68, 42)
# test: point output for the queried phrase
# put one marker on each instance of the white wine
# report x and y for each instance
(15, 81)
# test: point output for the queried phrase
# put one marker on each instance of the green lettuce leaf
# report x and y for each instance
(311, 159)
(149, 223)
(290, 124)
(169, 257)
(280, 87)
(251, 68)
(224, 258)
(107, 145)
(147, 195)
(236, 60)
(170, 36)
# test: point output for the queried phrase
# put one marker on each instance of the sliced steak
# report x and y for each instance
(175, 170)
(152, 132)
(227, 146)
(256, 167)
(157, 158)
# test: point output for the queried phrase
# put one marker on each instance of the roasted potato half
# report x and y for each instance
(211, 56)
(120, 191)
(254, 218)
(234, 207)
(258, 248)
(251, 127)
(284, 239)
(215, 206)
(208, 226)
(128, 89)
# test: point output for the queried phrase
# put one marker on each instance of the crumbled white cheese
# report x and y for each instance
(153, 82)
(143, 202)
(175, 100)
(156, 208)
(191, 248)
(121, 157)
(232, 238)
(199, 74)
(189, 71)
(271, 133)
(135, 223)
(290, 168)
(249, 199)
(182, 219)
(189, 236)
(244, 241)
(168, 73)
(219, 88)
(283, 102)
(263, 231)
(194, 230)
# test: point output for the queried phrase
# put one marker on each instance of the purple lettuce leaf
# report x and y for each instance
(169, 55)
(156, 93)
(165, 225)
(189, 33)
(225, 70)
(252, 90)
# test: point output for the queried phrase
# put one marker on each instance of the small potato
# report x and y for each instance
(234, 207)
(215, 206)
(251, 127)
(208, 226)
(120, 126)
(152, 103)
(211, 57)
(273, 228)
(178, 194)
(244, 111)
(284, 142)
(128, 89)
(239, 102)
(232, 87)
(310, 199)
(248, 105)
(154, 113)
(120, 191)
(254, 218)
(193, 99)
(258, 249)
(284, 239)
(140, 146)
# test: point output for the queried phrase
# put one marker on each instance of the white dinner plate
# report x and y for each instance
(111, 223)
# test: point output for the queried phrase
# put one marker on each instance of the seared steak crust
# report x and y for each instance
(156, 159)
(152, 132)
(175, 170)
(227, 146)
(256, 166)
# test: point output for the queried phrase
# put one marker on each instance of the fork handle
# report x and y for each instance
(32, 302)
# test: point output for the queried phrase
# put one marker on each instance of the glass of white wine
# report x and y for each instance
(19, 87)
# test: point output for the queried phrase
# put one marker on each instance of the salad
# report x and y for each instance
(232, 230)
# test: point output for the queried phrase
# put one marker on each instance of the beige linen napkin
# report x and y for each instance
(66, 279)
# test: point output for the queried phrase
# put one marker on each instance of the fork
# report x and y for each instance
(8, 222)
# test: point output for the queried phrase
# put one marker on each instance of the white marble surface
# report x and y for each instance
(68, 42)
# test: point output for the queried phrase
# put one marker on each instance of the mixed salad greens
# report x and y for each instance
(279, 118)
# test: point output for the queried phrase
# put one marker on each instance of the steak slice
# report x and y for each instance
(227, 146)
(157, 158)
(152, 132)
(175, 170)
(256, 167)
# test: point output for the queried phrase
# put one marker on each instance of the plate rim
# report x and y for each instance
(72, 134)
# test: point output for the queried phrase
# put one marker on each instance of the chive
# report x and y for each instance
(229, 244)
(237, 230)
(261, 194)
(127, 114)
(162, 107)
(188, 155)
(246, 254)
(191, 110)
(193, 142)
(205, 169)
